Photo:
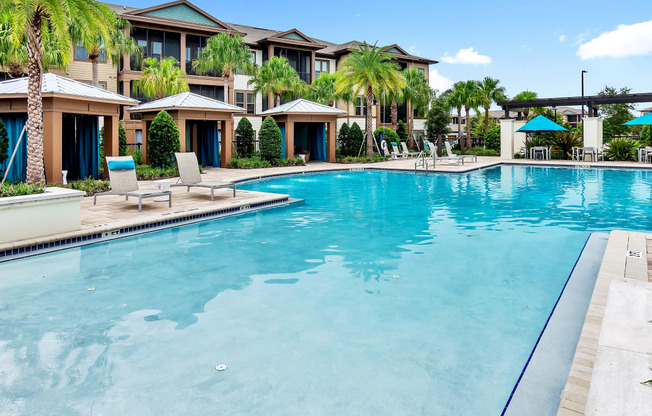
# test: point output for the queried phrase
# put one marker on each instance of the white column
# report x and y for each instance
(507, 138)
(592, 132)
(519, 138)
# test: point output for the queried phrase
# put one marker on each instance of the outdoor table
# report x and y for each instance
(545, 152)
(162, 185)
(644, 154)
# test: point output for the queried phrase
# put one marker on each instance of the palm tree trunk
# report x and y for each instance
(468, 129)
(486, 119)
(459, 128)
(394, 115)
(35, 165)
(348, 115)
(410, 116)
(368, 131)
(96, 77)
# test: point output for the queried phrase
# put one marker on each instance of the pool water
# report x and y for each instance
(384, 293)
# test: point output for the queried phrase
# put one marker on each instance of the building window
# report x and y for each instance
(81, 53)
(423, 71)
(252, 57)
(156, 44)
(250, 103)
(321, 66)
(360, 106)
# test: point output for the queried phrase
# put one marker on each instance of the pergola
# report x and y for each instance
(294, 114)
(67, 104)
(198, 119)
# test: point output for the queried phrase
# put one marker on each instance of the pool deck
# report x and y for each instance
(614, 353)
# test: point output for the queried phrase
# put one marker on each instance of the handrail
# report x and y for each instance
(420, 161)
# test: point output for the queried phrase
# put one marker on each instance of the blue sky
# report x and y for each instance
(527, 45)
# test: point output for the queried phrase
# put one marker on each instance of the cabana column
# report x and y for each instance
(289, 139)
(111, 141)
(52, 145)
(227, 139)
(330, 145)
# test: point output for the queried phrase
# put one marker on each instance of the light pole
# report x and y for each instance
(582, 118)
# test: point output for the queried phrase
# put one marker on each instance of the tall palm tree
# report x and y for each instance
(416, 92)
(470, 94)
(113, 48)
(525, 96)
(368, 70)
(225, 54)
(29, 18)
(455, 100)
(393, 98)
(161, 78)
(490, 92)
(323, 90)
(277, 77)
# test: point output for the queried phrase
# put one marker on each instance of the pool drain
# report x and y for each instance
(90, 289)
(396, 276)
(221, 367)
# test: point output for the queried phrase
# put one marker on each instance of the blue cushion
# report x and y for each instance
(121, 165)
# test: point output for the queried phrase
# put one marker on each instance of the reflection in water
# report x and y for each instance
(444, 278)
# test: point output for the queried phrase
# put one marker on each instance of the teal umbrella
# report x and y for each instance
(644, 119)
(540, 124)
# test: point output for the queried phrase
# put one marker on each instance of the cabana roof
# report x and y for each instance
(302, 106)
(186, 101)
(56, 85)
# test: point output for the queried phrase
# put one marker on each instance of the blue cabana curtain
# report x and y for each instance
(208, 143)
(282, 140)
(318, 143)
(81, 146)
(14, 124)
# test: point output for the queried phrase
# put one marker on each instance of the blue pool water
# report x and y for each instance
(385, 293)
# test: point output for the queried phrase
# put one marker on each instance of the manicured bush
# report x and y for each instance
(162, 141)
(249, 163)
(389, 136)
(271, 141)
(343, 144)
(401, 131)
(244, 138)
(479, 151)
(89, 185)
(138, 157)
(492, 139)
(362, 159)
(122, 141)
(622, 149)
(607, 131)
(356, 137)
(17, 189)
(150, 173)
(4, 146)
(293, 161)
(646, 137)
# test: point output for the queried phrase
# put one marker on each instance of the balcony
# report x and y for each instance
(305, 77)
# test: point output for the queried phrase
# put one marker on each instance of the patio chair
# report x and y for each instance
(189, 175)
(386, 152)
(396, 151)
(453, 156)
(406, 151)
(122, 175)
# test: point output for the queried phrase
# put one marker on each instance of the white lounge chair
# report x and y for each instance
(189, 175)
(386, 152)
(397, 152)
(122, 174)
(453, 157)
(406, 151)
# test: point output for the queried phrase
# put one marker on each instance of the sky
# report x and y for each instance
(540, 46)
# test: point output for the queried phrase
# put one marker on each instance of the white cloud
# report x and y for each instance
(413, 50)
(466, 56)
(626, 40)
(562, 38)
(439, 82)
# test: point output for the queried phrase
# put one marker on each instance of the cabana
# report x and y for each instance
(205, 125)
(71, 113)
(308, 128)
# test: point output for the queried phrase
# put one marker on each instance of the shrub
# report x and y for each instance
(4, 145)
(562, 143)
(363, 159)
(389, 136)
(248, 163)
(607, 131)
(492, 138)
(479, 151)
(122, 141)
(17, 189)
(271, 141)
(356, 137)
(138, 157)
(162, 141)
(622, 149)
(646, 136)
(401, 131)
(89, 185)
(150, 173)
(244, 138)
(294, 161)
(343, 143)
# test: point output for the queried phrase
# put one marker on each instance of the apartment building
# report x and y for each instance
(180, 30)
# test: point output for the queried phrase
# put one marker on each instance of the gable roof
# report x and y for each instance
(60, 86)
(302, 106)
(174, 13)
(187, 101)
(394, 50)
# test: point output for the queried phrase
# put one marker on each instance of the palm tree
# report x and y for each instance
(455, 100)
(525, 96)
(368, 70)
(225, 54)
(416, 93)
(161, 78)
(29, 18)
(393, 98)
(470, 95)
(113, 48)
(277, 77)
(490, 92)
(323, 89)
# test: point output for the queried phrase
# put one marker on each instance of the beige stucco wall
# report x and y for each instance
(83, 71)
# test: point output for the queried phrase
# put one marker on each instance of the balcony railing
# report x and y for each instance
(305, 77)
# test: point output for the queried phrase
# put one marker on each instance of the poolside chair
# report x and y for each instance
(122, 174)
(452, 156)
(386, 152)
(396, 152)
(406, 152)
(189, 175)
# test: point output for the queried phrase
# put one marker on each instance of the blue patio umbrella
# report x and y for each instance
(540, 124)
(644, 119)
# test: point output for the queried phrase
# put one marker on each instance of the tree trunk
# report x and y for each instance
(410, 116)
(348, 115)
(96, 77)
(439, 144)
(231, 97)
(459, 129)
(486, 119)
(394, 115)
(468, 129)
(35, 165)
(15, 70)
(368, 131)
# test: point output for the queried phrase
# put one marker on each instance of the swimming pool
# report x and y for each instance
(385, 293)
